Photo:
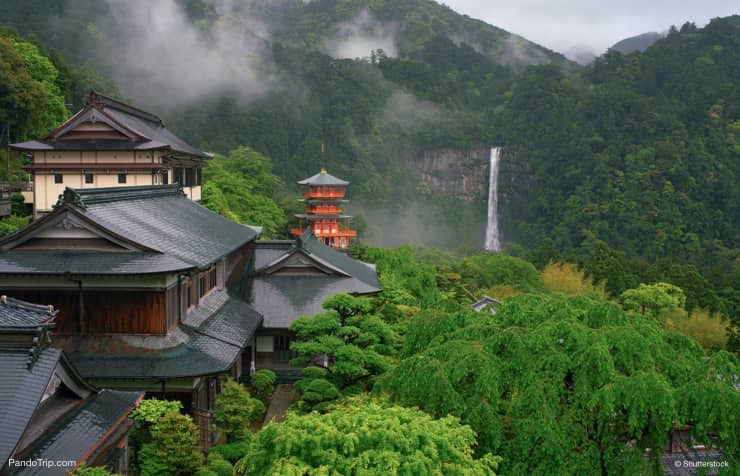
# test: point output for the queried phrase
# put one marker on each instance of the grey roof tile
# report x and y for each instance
(73, 436)
(89, 262)
(17, 313)
(21, 391)
(217, 332)
(283, 299)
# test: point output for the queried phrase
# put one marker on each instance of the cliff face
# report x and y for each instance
(464, 175)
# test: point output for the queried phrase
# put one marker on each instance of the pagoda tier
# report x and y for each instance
(323, 195)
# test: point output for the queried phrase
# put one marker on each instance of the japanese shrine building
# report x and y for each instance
(49, 413)
(109, 144)
(141, 278)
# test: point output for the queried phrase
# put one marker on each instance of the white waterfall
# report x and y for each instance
(493, 239)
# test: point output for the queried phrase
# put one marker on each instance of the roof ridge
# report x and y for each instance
(101, 100)
(83, 197)
(28, 306)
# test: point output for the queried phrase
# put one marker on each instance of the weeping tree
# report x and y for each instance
(554, 384)
(362, 436)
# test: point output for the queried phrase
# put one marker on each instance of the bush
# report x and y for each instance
(317, 395)
(235, 410)
(205, 472)
(84, 470)
(263, 384)
(709, 330)
(566, 278)
(221, 467)
(231, 452)
(148, 412)
(312, 372)
(173, 449)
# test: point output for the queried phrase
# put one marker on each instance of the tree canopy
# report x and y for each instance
(362, 436)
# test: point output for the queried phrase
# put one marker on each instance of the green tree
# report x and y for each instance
(365, 437)
(346, 339)
(242, 188)
(655, 298)
(236, 410)
(173, 450)
(574, 384)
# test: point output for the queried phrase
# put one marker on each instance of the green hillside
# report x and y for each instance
(628, 167)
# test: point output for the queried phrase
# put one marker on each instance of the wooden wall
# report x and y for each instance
(106, 312)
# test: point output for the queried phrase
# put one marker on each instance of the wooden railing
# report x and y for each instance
(325, 194)
(322, 233)
(324, 210)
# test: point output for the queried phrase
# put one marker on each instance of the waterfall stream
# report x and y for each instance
(493, 239)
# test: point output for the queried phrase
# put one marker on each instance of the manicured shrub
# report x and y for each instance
(263, 384)
(231, 452)
(235, 410)
(221, 467)
(173, 450)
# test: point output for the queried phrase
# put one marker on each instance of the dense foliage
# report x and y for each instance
(365, 437)
(572, 383)
(173, 449)
(351, 343)
(242, 187)
(235, 411)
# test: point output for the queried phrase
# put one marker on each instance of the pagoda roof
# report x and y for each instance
(150, 229)
(323, 178)
(282, 296)
(134, 129)
(207, 343)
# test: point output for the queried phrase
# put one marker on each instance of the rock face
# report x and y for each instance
(462, 174)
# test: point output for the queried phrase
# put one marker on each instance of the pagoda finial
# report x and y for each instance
(323, 170)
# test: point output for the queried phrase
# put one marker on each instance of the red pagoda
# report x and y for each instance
(323, 193)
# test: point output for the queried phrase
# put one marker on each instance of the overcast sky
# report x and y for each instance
(596, 24)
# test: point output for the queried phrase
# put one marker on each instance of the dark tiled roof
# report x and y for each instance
(162, 218)
(149, 130)
(357, 269)
(154, 131)
(283, 299)
(89, 262)
(21, 389)
(106, 144)
(323, 178)
(16, 313)
(73, 436)
(216, 333)
(172, 232)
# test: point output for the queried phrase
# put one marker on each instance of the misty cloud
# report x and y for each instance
(362, 35)
(409, 112)
(164, 59)
(518, 51)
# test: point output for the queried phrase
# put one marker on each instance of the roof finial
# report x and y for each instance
(4, 299)
(323, 170)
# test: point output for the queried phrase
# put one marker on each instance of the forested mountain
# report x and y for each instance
(628, 166)
(636, 43)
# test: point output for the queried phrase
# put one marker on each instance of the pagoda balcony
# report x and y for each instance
(324, 210)
(326, 233)
(323, 194)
